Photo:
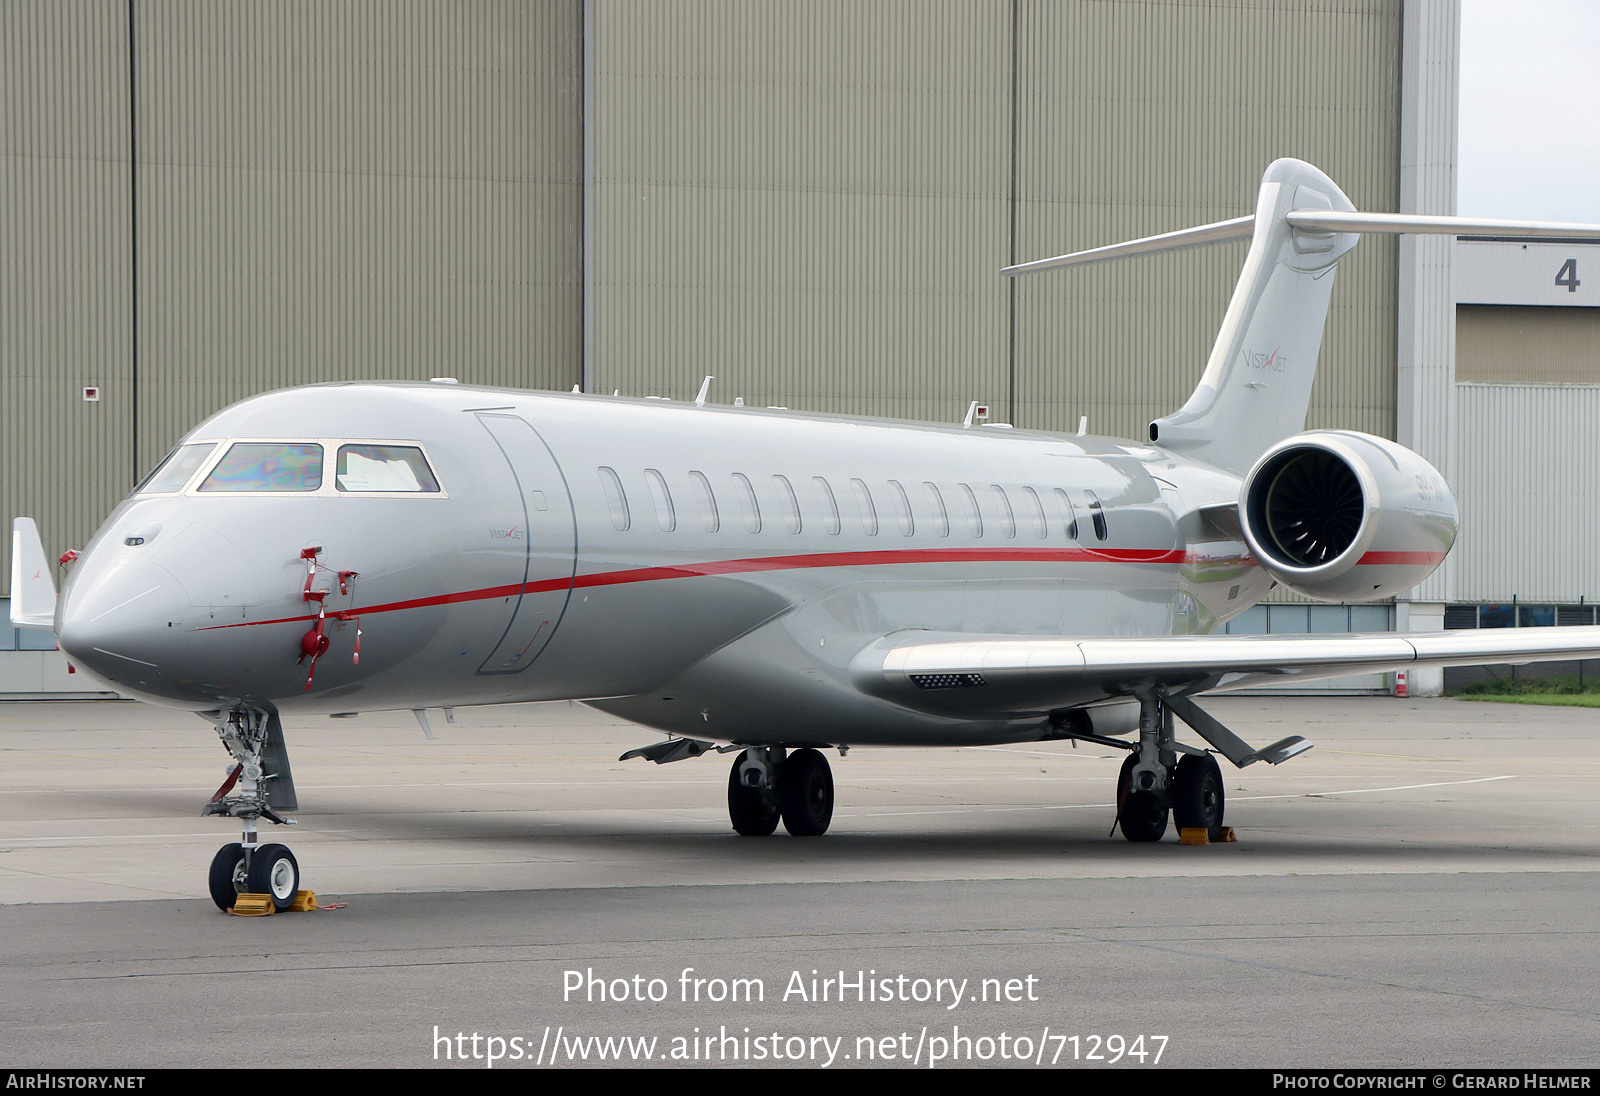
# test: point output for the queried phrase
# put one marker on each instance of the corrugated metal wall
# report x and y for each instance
(1499, 344)
(1528, 467)
(807, 200)
(1139, 118)
(811, 201)
(323, 191)
(65, 267)
(357, 190)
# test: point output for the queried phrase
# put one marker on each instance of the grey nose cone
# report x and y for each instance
(125, 625)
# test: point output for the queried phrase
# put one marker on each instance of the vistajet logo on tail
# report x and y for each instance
(1274, 361)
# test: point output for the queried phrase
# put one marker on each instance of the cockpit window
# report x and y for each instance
(384, 468)
(267, 466)
(172, 473)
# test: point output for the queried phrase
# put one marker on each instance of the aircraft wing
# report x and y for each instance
(998, 676)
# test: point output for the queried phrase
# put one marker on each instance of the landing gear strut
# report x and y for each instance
(262, 786)
(765, 785)
(1143, 782)
(1155, 780)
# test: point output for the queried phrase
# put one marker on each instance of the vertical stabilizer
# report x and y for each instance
(1257, 382)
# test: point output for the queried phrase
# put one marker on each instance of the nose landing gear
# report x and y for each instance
(262, 786)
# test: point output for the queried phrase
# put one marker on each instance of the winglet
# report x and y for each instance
(33, 590)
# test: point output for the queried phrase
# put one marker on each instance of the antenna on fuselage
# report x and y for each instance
(705, 387)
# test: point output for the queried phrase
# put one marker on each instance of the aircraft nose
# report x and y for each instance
(124, 624)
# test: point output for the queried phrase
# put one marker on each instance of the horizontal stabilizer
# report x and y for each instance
(1333, 221)
(1311, 221)
(33, 589)
(1240, 228)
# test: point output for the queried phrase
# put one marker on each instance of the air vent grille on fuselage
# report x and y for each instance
(947, 681)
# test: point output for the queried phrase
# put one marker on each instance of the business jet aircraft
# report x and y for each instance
(771, 582)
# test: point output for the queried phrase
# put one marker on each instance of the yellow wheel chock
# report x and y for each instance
(260, 905)
(1199, 835)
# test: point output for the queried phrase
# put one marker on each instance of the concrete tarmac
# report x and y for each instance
(1422, 889)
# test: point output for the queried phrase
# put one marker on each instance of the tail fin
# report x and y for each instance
(1257, 382)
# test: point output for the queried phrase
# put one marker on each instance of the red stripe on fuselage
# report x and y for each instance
(765, 563)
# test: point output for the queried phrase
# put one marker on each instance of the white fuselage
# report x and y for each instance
(697, 569)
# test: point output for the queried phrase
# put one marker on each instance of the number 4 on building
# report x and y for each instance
(1568, 275)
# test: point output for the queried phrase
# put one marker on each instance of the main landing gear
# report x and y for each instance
(1162, 776)
(1192, 793)
(262, 786)
(764, 785)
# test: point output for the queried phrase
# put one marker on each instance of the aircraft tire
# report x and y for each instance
(227, 875)
(805, 793)
(275, 873)
(1197, 794)
(1142, 814)
(753, 811)
(1144, 817)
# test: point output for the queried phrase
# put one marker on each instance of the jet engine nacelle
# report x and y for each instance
(1342, 516)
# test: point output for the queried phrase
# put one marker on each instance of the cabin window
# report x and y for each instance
(380, 468)
(747, 499)
(1035, 510)
(616, 498)
(974, 517)
(1008, 520)
(663, 498)
(1097, 516)
(869, 513)
(830, 506)
(708, 501)
(267, 466)
(1069, 513)
(791, 504)
(903, 506)
(173, 472)
(941, 517)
